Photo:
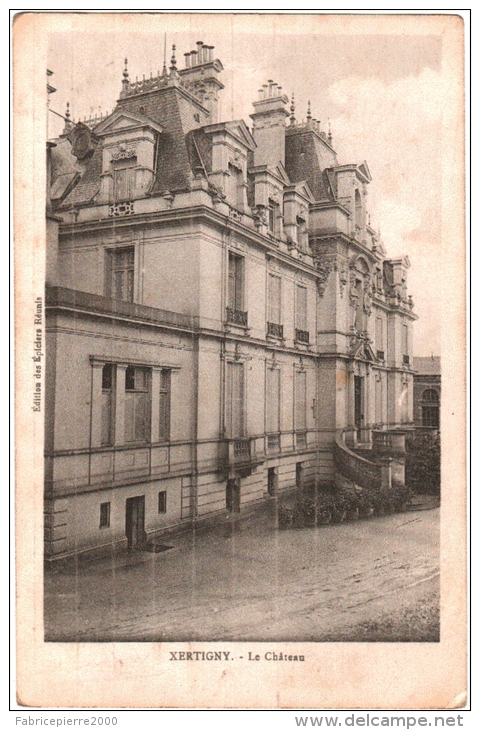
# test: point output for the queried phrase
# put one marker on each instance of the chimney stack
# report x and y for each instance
(269, 125)
(200, 76)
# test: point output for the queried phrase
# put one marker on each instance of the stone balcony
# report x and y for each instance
(238, 456)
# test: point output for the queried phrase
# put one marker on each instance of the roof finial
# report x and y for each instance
(329, 133)
(164, 70)
(125, 81)
(173, 60)
(292, 109)
(309, 111)
(68, 123)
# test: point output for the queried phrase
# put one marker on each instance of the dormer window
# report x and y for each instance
(302, 237)
(235, 187)
(273, 217)
(124, 179)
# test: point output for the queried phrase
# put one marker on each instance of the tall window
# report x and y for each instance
(108, 384)
(236, 268)
(274, 298)
(235, 399)
(165, 390)
(124, 179)
(301, 308)
(273, 400)
(379, 338)
(120, 273)
(300, 400)
(405, 339)
(430, 409)
(137, 404)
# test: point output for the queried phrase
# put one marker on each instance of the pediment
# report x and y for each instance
(363, 351)
(365, 172)
(240, 130)
(121, 121)
(282, 174)
(237, 129)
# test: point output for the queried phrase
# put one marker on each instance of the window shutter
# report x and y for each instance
(273, 400)
(302, 308)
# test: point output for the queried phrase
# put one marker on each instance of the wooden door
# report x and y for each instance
(135, 523)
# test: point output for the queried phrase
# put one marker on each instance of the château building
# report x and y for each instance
(223, 323)
(427, 389)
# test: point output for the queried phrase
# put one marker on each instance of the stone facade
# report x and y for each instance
(427, 392)
(219, 312)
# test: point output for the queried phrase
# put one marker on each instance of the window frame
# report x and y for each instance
(113, 265)
(145, 397)
(162, 502)
(105, 511)
(236, 282)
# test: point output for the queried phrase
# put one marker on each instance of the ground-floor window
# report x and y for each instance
(272, 482)
(299, 475)
(162, 502)
(105, 514)
(233, 495)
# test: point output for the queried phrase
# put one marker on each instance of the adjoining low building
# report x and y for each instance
(427, 391)
(220, 314)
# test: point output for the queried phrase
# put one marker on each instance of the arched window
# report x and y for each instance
(430, 395)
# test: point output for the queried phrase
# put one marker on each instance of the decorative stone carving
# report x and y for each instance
(324, 266)
(124, 153)
(259, 216)
(120, 209)
(342, 277)
(235, 214)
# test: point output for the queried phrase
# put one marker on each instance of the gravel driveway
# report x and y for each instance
(371, 580)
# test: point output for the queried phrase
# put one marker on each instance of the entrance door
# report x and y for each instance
(299, 476)
(135, 523)
(358, 401)
(233, 495)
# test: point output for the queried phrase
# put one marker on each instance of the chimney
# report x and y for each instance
(269, 125)
(200, 76)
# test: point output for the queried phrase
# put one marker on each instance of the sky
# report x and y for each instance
(382, 86)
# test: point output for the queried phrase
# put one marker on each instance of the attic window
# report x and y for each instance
(142, 110)
(196, 116)
(124, 179)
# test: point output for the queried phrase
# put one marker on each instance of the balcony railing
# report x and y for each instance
(301, 439)
(241, 450)
(236, 316)
(275, 330)
(381, 355)
(273, 441)
(406, 360)
(302, 336)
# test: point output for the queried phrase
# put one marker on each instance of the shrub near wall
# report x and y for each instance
(326, 508)
(422, 465)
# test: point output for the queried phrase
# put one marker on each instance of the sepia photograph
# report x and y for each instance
(239, 334)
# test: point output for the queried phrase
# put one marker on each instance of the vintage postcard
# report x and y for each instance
(240, 339)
